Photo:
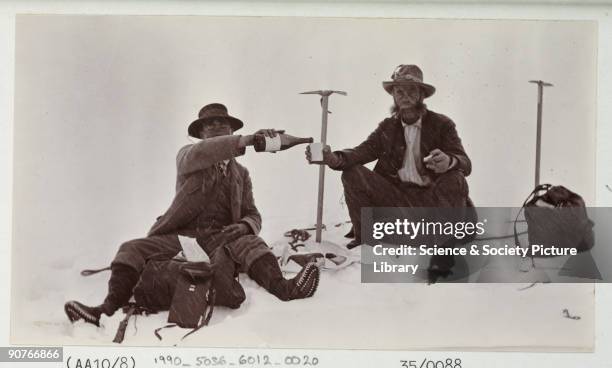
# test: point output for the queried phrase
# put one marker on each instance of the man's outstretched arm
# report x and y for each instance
(209, 151)
(206, 153)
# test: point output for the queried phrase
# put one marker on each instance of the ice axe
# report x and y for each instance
(541, 85)
(324, 104)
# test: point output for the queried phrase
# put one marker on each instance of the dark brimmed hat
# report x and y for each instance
(408, 74)
(210, 113)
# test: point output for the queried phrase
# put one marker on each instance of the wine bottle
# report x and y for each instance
(281, 142)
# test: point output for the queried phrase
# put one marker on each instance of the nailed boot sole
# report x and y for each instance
(307, 283)
(77, 311)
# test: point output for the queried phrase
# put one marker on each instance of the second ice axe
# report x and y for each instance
(324, 104)
(541, 84)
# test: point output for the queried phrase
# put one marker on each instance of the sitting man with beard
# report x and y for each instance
(214, 206)
(421, 161)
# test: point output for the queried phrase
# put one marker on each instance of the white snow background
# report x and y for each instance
(102, 104)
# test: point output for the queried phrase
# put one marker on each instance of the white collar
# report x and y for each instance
(418, 124)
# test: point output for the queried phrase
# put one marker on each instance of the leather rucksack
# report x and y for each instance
(557, 216)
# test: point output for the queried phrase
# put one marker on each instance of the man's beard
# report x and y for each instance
(411, 115)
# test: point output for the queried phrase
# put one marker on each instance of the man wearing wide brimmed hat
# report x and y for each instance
(421, 161)
(214, 207)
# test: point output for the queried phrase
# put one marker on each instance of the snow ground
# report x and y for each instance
(343, 314)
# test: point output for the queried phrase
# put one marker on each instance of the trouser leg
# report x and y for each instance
(246, 250)
(128, 264)
(449, 190)
(450, 195)
(229, 292)
(251, 255)
(365, 188)
(135, 253)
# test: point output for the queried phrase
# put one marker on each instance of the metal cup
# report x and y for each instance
(316, 152)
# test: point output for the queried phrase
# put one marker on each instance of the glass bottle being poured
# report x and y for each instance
(281, 142)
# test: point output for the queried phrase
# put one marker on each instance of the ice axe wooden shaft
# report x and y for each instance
(541, 85)
(324, 104)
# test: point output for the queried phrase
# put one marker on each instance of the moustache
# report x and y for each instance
(417, 107)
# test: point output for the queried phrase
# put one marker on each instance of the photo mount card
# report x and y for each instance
(102, 108)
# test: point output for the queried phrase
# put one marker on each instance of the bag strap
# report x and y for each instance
(207, 312)
(156, 332)
(94, 271)
(120, 335)
(531, 195)
(155, 257)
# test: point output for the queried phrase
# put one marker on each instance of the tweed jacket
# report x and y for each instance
(387, 145)
(191, 186)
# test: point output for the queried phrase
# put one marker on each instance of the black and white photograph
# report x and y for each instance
(198, 181)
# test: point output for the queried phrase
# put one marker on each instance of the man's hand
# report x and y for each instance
(329, 158)
(247, 140)
(235, 231)
(438, 161)
(270, 133)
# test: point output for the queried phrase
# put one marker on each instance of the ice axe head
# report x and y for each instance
(541, 83)
(323, 93)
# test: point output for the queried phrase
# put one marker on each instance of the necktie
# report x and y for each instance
(221, 167)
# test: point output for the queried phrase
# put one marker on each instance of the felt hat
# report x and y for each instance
(210, 113)
(408, 74)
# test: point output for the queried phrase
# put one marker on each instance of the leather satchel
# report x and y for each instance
(194, 296)
(185, 289)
